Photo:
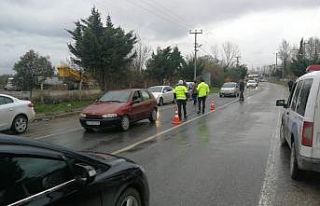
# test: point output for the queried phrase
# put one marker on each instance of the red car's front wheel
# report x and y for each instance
(125, 123)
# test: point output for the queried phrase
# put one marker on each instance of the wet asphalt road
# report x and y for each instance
(229, 157)
(68, 132)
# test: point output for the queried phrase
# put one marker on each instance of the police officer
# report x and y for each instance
(194, 92)
(203, 92)
(241, 87)
(290, 85)
(181, 93)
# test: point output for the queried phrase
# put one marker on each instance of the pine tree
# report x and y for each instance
(103, 51)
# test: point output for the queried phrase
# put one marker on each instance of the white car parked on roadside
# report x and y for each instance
(300, 125)
(229, 89)
(163, 94)
(252, 83)
(15, 114)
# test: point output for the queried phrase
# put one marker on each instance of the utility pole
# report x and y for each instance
(304, 48)
(196, 46)
(276, 66)
(238, 61)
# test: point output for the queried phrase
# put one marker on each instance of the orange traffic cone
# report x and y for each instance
(212, 106)
(176, 119)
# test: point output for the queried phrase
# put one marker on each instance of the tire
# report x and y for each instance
(220, 95)
(160, 101)
(295, 172)
(19, 124)
(153, 116)
(282, 138)
(129, 194)
(125, 123)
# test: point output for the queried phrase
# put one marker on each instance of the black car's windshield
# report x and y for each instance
(229, 85)
(115, 96)
(155, 89)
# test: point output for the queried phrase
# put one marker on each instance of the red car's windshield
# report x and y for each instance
(115, 96)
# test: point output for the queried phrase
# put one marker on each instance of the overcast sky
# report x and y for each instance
(256, 26)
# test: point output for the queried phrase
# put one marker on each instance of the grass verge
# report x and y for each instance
(52, 109)
(214, 90)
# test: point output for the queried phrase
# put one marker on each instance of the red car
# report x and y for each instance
(120, 108)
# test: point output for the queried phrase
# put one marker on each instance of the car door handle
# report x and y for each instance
(11, 109)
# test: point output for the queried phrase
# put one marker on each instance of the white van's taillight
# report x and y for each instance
(307, 134)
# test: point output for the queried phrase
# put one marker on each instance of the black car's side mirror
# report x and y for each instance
(281, 103)
(85, 173)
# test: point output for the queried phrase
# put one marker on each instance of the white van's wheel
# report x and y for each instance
(282, 138)
(295, 172)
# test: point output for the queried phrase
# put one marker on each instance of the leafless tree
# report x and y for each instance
(215, 53)
(229, 53)
(143, 52)
(312, 49)
(285, 52)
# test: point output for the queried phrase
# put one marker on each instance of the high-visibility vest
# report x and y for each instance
(180, 92)
(203, 89)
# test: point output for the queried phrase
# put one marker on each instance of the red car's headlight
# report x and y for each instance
(109, 115)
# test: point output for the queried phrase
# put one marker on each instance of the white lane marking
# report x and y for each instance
(169, 106)
(127, 148)
(80, 128)
(267, 193)
(168, 130)
(58, 133)
(214, 96)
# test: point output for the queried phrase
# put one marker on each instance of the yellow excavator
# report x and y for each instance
(72, 77)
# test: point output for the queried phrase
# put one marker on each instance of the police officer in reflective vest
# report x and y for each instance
(203, 92)
(181, 93)
(241, 87)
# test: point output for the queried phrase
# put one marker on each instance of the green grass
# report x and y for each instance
(214, 90)
(52, 109)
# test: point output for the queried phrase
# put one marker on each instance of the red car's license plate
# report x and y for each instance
(93, 123)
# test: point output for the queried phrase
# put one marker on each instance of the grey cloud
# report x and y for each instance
(161, 20)
(40, 24)
(187, 14)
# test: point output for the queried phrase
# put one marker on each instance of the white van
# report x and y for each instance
(300, 126)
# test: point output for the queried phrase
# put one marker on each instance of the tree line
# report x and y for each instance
(296, 58)
(118, 59)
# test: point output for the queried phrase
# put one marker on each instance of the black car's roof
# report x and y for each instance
(15, 140)
(7, 142)
(37, 147)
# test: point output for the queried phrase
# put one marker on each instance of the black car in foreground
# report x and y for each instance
(36, 173)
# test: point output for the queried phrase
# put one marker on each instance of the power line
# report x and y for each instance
(167, 11)
(160, 15)
(148, 10)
